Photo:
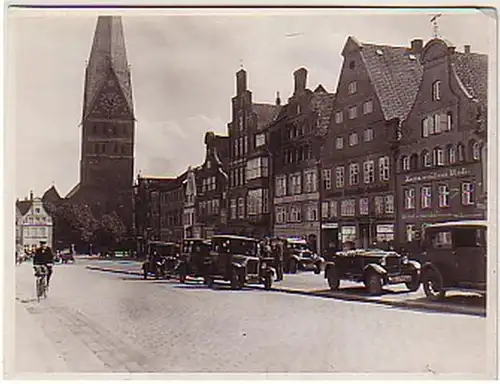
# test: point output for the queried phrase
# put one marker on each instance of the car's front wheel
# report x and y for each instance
(414, 284)
(236, 280)
(433, 284)
(374, 283)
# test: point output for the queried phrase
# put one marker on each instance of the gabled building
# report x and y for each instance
(192, 228)
(376, 89)
(212, 183)
(169, 206)
(248, 169)
(33, 224)
(296, 137)
(439, 168)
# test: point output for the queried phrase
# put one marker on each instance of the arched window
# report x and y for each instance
(426, 159)
(460, 153)
(451, 154)
(475, 148)
(405, 163)
(436, 91)
(438, 157)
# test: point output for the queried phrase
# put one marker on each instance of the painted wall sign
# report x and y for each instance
(330, 225)
(433, 215)
(437, 175)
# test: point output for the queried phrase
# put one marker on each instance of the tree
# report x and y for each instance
(111, 230)
(74, 223)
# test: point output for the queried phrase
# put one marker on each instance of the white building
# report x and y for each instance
(33, 223)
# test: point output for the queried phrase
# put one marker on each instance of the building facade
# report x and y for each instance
(248, 168)
(192, 228)
(376, 90)
(33, 224)
(439, 169)
(108, 126)
(170, 209)
(212, 186)
(296, 139)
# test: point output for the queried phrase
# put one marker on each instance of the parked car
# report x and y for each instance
(298, 256)
(238, 259)
(373, 267)
(168, 260)
(66, 257)
(454, 258)
(194, 259)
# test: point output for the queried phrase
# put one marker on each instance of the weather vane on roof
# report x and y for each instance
(435, 26)
(241, 63)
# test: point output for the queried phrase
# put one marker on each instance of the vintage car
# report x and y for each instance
(238, 259)
(168, 262)
(298, 256)
(453, 257)
(373, 267)
(194, 259)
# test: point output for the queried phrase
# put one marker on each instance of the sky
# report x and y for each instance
(183, 69)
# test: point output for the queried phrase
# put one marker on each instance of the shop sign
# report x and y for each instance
(437, 175)
(385, 228)
(330, 225)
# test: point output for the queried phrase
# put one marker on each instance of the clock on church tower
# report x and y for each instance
(111, 102)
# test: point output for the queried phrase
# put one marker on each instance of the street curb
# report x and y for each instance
(431, 306)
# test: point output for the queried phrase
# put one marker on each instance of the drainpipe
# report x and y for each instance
(395, 153)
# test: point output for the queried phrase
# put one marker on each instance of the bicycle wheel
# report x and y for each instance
(38, 288)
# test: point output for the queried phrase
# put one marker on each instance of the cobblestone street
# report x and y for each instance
(101, 322)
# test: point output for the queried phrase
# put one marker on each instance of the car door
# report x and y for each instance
(470, 251)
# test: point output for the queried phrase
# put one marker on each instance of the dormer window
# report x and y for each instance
(436, 90)
(367, 107)
(339, 117)
(353, 139)
(352, 88)
(339, 143)
(353, 112)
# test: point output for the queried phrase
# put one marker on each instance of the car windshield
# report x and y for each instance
(299, 246)
(235, 246)
(163, 249)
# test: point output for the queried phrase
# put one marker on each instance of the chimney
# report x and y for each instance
(300, 76)
(241, 82)
(416, 46)
(31, 195)
(451, 50)
(467, 48)
(278, 100)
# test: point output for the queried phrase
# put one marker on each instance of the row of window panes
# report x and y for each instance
(467, 193)
(257, 201)
(209, 207)
(209, 184)
(297, 130)
(294, 186)
(257, 167)
(117, 148)
(297, 155)
(32, 219)
(237, 208)
(382, 205)
(170, 196)
(240, 146)
(352, 112)
(353, 138)
(171, 220)
(237, 177)
(188, 218)
(354, 173)
(294, 214)
(440, 158)
(436, 124)
(35, 232)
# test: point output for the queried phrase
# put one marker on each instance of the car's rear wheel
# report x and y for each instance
(414, 284)
(333, 279)
(293, 266)
(374, 283)
(433, 284)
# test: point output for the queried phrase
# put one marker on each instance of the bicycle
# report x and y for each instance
(41, 281)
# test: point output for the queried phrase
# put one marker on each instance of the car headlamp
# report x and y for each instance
(263, 265)
(383, 262)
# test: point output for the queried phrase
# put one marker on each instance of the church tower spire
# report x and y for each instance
(108, 58)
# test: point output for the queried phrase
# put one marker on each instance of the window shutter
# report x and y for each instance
(425, 127)
(443, 122)
(431, 125)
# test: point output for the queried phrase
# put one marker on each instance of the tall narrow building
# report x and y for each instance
(108, 125)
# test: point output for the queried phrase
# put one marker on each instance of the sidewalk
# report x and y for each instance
(315, 285)
(34, 351)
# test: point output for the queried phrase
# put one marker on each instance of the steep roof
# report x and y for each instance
(472, 70)
(108, 54)
(51, 195)
(24, 206)
(73, 191)
(265, 114)
(395, 74)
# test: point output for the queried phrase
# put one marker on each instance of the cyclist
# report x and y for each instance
(44, 256)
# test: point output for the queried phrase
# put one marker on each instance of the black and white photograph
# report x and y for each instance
(281, 192)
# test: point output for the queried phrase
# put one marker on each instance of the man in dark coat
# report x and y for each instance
(278, 259)
(44, 256)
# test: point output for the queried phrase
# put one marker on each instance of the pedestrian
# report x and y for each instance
(44, 256)
(278, 259)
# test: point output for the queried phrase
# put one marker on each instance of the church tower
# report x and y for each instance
(108, 123)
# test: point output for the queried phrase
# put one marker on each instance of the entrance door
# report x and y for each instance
(364, 235)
